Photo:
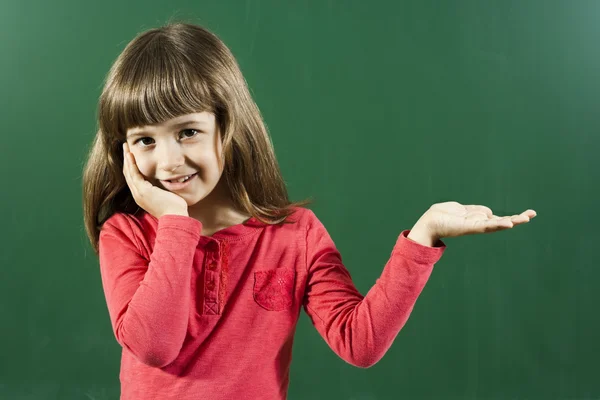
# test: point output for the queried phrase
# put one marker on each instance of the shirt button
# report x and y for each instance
(210, 285)
(212, 265)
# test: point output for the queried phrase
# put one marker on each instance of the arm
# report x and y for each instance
(360, 329)
(149, 300)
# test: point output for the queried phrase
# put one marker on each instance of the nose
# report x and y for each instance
(169, 156)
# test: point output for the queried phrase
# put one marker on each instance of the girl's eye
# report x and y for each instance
(146, 141)
(188, 133)
(184, 134)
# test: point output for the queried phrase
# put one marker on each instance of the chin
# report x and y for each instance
(196, 198)
(199, 195)
(193, 201)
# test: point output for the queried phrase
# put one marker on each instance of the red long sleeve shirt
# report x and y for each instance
(214, 317)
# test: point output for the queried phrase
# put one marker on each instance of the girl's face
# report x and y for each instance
(187, 147)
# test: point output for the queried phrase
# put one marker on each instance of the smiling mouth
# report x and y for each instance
(182, 179)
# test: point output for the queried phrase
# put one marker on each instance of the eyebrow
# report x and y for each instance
(174, 126)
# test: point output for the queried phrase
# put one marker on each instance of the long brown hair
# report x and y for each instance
(166, 72)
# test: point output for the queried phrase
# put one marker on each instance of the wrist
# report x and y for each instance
(421, 233)
(183, 213)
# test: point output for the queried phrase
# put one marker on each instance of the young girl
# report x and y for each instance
(205, 262)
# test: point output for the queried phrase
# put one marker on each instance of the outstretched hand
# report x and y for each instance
(453, 219)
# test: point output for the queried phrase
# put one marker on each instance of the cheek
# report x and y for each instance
(207, 158)
(144, 165)
(208, 166)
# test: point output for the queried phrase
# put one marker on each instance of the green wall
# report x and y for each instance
(378, 110)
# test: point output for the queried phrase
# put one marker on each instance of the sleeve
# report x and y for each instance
(360, 329)
(149, 300)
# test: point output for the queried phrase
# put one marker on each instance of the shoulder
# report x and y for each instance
(303, 217)
(131, 226)
(125, 221)
(307, 221)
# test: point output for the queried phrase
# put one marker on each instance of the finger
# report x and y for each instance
(134, 173)
(501, 217)
(500, 224)
(126, 164)
(514, 218)
(524, 217)
(134, 178)
(530, 213)
(492, 225)
(127, 173)
(519, 218)
(138, 180)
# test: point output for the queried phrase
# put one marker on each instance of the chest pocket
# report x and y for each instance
(274, 289)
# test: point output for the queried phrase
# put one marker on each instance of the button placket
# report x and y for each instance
(211, 282)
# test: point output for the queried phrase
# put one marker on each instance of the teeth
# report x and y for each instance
(181, 180)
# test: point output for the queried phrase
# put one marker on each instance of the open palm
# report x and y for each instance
(451, 219)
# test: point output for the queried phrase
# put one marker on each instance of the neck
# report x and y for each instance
(217, 210)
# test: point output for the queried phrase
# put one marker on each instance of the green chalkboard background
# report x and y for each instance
(377, 109)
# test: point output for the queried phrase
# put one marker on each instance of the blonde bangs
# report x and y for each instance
(151, 83)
